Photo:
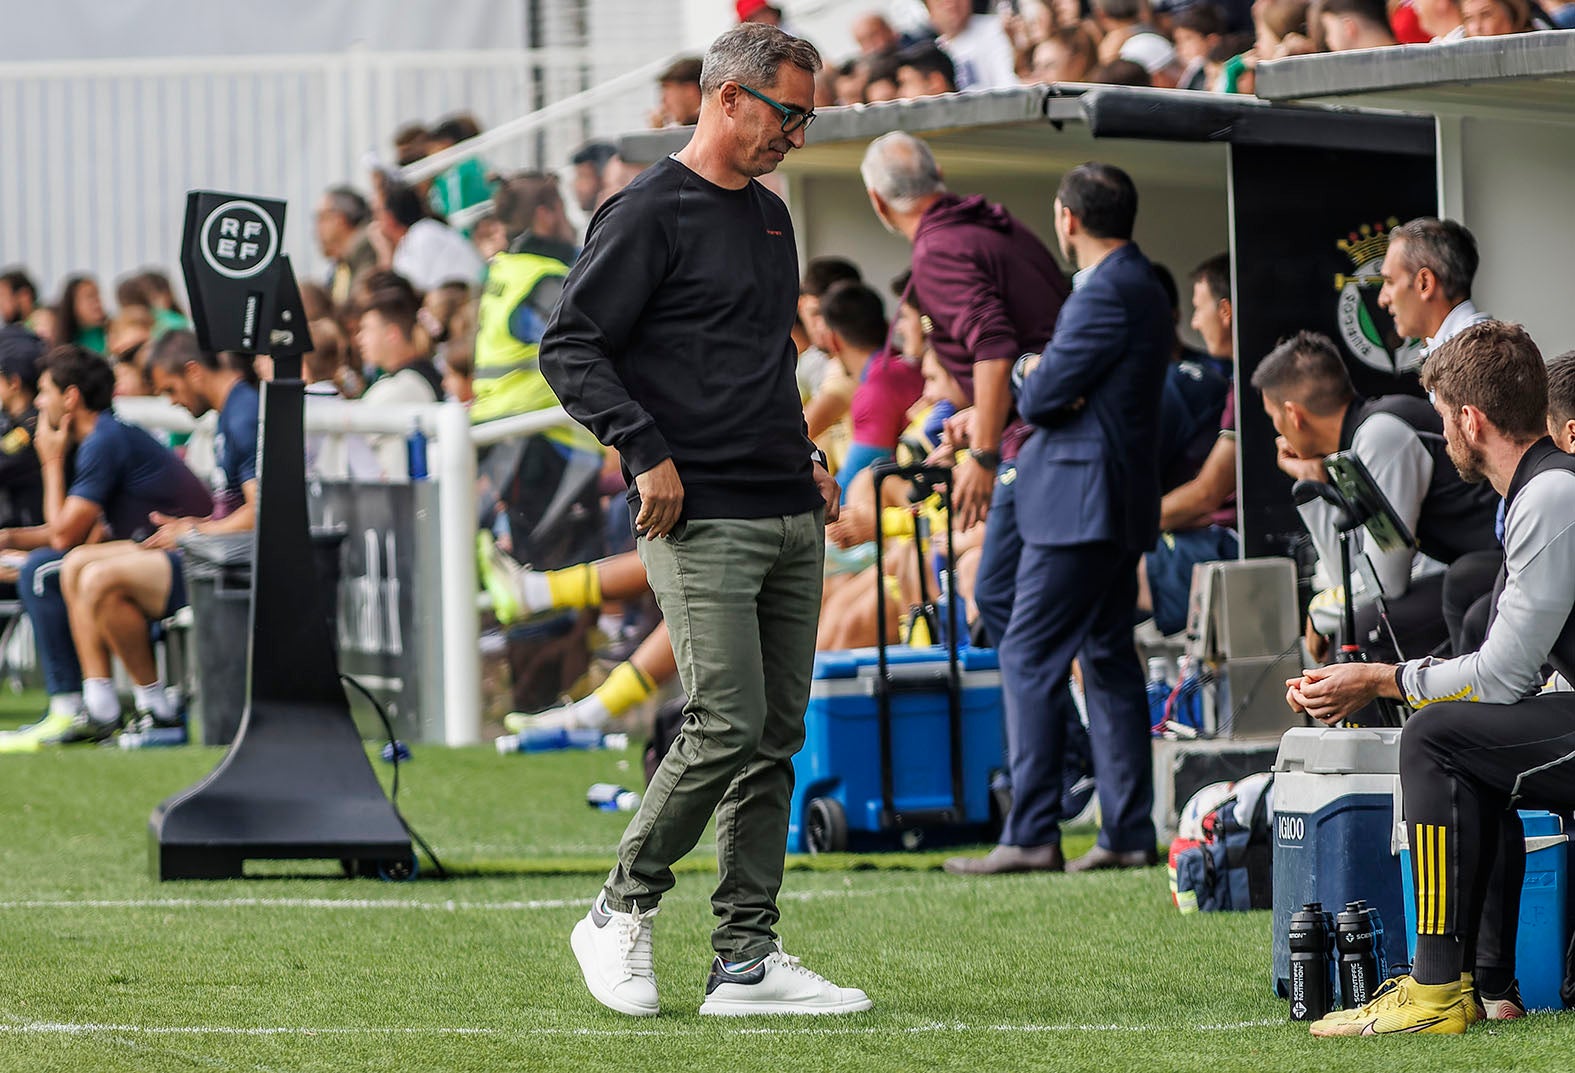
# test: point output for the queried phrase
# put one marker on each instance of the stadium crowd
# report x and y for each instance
(920, 49)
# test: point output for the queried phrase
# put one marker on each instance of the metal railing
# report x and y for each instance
(446, 424)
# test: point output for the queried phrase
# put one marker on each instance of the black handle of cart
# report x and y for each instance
(931, 478)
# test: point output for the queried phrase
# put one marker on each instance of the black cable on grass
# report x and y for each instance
(393, 797)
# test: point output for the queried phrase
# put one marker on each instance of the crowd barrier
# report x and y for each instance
(409, 628)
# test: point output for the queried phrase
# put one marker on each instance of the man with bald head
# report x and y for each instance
(875, 36)
(992, 290)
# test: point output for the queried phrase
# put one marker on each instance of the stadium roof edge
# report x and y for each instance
(1107, 112)
(1522, 70)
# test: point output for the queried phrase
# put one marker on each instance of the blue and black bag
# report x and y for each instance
(1233, 868)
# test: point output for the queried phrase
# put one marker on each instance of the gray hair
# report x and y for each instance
(901, 169)
(349, 204)
(1445, 248)
(751, 53)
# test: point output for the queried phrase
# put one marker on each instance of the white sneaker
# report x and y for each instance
(614, 950)
(587, 713)
(776, 983)
(561, 718)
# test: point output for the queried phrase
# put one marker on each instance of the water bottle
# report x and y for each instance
(1313, 975)
(610, 797)
(1188, 709)
(550, 739)
(1376, 926)
(1158, 690)
(153, 737)
(416, 448)
(1358, 939)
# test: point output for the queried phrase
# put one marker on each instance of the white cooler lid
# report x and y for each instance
(1340, 750)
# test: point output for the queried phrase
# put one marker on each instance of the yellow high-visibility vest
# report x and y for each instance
(508, 377)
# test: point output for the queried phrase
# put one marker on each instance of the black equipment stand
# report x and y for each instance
(296, 784)
(1359, 504)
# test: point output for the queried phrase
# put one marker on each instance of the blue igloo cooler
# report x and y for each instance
(1334, 809)
(939, 776)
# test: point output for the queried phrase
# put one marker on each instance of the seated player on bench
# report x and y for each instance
(114, 590)
(1483, 742)
(1307, 393)
(119, 475)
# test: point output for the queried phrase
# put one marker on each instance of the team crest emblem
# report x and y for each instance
(1366, 328)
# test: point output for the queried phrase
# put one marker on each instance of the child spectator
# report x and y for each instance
(1198, 28)
(886, 383)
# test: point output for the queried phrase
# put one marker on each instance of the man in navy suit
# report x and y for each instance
(1088, 481)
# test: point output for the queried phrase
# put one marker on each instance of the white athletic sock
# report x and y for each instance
(65, 703)
(98, 695)
(589, 712)
(152, 698)
(537, 593)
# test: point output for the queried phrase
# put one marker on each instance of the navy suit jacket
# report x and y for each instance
(1089, 471)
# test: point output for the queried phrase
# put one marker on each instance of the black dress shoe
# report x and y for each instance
(1003, 860)
(1101, 859)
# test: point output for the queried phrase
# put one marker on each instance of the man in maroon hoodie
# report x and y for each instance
(993, 291)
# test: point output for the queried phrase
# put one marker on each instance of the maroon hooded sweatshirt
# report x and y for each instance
(990, 287)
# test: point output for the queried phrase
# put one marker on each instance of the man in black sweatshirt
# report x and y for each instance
(672, 344)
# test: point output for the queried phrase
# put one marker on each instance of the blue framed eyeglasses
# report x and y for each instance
(792, 118)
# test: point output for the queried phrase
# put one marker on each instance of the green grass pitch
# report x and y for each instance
(102, 969)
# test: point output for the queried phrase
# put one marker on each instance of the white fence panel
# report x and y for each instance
(96, 159)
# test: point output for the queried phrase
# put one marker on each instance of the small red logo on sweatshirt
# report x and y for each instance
(778, 234)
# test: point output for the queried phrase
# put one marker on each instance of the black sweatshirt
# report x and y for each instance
(673, 340)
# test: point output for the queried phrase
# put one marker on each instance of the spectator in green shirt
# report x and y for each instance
(79, 315)
(466, 183)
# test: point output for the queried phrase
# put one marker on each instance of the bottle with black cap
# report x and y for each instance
(1313, 979)
(1358, 940)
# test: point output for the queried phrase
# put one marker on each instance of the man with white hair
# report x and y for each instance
(672, 343)
(992, 291)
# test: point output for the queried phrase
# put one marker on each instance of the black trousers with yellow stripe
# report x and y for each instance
(1465, 769)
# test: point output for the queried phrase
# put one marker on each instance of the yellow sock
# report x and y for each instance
(575, 586)
(625, 687)
(896, 522)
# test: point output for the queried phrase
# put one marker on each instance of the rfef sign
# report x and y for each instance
(239, 239)
(232, 260)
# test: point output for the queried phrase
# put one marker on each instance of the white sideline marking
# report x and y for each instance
(44, 1028)
(296, 903)
(449, 906)
(937, 1026)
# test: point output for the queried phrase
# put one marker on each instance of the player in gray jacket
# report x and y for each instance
(1484, 742)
